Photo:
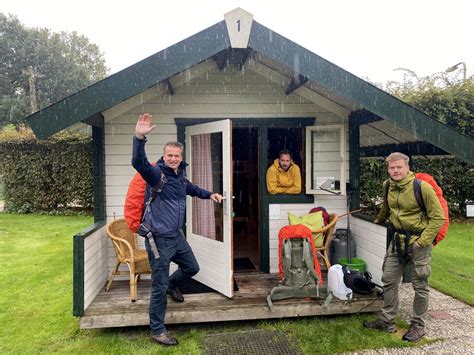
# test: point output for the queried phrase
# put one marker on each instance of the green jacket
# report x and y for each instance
(404, 213)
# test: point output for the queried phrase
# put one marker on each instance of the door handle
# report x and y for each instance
(226, 204)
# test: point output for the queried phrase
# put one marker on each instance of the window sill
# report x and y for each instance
(289, 198)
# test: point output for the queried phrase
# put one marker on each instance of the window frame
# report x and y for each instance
(342, 157)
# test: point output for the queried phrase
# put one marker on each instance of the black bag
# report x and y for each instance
(359, 282)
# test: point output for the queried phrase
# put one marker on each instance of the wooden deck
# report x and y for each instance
(114, 309)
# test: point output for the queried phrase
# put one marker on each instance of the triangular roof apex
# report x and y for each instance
(239, 24)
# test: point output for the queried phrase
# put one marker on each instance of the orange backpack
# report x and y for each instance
(135, 202)
(297, 231)
(444, 204)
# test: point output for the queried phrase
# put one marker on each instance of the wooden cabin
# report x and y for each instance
(252, 92)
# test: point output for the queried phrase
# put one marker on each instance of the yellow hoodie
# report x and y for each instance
(280, 181)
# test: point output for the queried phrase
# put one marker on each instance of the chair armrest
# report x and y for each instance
(127, 244)
(329, 226)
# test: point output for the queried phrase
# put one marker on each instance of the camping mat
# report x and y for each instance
(250, 342)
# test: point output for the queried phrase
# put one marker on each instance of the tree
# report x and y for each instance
(443, 96)
(43, 67)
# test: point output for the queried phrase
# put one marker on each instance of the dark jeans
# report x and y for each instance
(174, 249)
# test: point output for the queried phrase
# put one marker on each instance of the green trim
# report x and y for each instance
(97, 120)
(251, 121)
(130, 81)
(364, 117)
(354, 162)
(342, 83)
(78, 276)
(416, 148)
(287, 198)
(78, 268)
(264, 217)
(98, 170)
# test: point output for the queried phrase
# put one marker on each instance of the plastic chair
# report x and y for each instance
(127, 252)
(328, 233)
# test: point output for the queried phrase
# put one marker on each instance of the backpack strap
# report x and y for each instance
(418, 194)
(145, 229)
(286, 260)
(386, 187)
(154, 193)
(416, 191)
(309, 262)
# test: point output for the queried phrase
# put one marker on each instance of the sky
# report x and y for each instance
(369, 38)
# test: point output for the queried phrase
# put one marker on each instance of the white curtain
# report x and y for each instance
(204, 221)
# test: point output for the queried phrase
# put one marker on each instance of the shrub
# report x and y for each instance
(51, 176)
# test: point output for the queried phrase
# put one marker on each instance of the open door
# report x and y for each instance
(208, 224)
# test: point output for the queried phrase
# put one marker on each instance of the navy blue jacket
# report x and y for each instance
(167, 210)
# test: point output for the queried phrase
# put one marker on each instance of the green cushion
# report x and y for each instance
(313, 221)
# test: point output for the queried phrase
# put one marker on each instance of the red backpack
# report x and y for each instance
(419, 198)
(135, 201)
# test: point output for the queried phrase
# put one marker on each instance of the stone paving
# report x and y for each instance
(451, 321)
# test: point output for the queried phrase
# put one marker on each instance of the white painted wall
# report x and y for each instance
(96, 257)
(370, 241)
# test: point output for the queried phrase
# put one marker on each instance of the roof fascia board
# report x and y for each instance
(130, 81)
(338, 80)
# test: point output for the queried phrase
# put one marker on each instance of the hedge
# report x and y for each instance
(455, 177)
(51, 176)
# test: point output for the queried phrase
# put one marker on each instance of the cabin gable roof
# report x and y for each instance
(308, 75)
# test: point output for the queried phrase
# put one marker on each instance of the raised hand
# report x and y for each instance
(144, 125)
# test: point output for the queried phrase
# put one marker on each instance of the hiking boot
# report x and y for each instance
(414, 334)
(164, 339)
(175, 294)
(380, 325)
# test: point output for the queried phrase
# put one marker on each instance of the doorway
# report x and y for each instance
(245, 185)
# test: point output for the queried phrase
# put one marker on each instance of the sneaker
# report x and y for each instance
(380, 325)
(164, 339)
(414, 334)
(175, 294)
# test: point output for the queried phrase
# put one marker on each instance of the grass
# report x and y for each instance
(36, 303)
(453, 263)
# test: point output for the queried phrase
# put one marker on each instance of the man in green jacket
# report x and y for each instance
(411, 245)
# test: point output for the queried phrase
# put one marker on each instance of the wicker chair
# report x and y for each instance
(127, 252)
(328, 232)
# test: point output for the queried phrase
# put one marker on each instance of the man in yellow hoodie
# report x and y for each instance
(284, 176)
(411, 245)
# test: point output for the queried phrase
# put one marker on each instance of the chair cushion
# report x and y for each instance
(313, 221)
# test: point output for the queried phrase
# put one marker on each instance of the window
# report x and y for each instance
(291, 139)
(326, 160)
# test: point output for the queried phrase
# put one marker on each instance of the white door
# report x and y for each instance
(209, 224)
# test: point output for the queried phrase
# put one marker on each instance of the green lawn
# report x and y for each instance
(36, 302)
(453, 263)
